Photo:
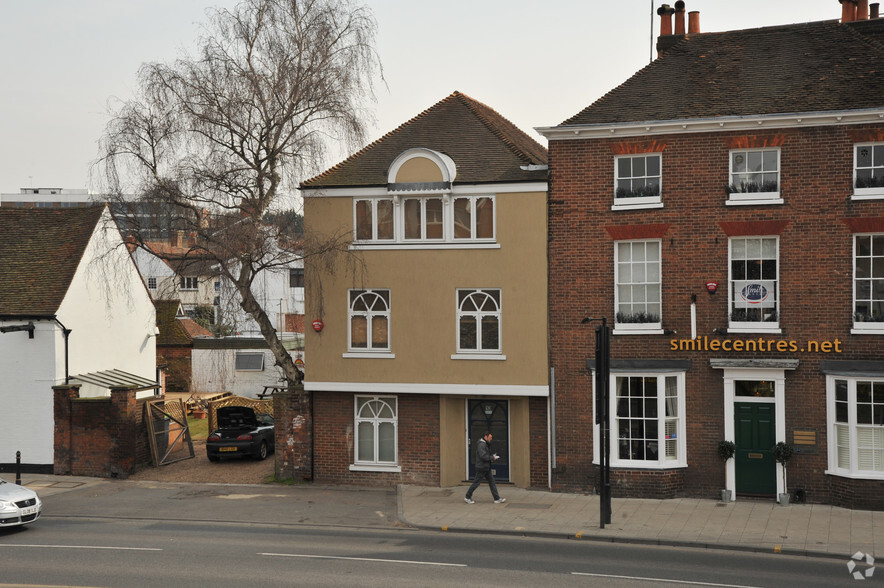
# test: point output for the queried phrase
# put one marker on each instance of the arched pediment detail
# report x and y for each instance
(421, 169)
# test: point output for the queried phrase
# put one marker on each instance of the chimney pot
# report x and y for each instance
(665, 13)
(862, 10)
(848, 10)
(679, 17)
(694, 21)
(873, 10)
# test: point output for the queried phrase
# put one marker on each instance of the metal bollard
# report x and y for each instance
(18, 468)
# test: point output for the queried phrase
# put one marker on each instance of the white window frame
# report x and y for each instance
(634, 202)
(370, 350)
(479, 352)
(188, 283)
(638, 328)
(872, 193)
(447, 240)
(373, 202)
(422, 202)
(769, 197)
(375, 464)
(247, 356)
(734, 291)
(473, 200)
(853, 430)
(862, 326)
(679, 420)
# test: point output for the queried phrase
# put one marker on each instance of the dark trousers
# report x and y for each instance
(486, 475)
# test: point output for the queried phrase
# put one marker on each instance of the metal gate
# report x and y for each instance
(167, 432)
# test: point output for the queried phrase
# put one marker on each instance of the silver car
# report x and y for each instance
(18, 505)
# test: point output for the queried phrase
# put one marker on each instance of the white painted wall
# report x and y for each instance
(29, 368)
(271, 288)
(213, 371)
(112, 320)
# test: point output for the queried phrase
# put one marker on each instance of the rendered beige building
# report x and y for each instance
(442, 333)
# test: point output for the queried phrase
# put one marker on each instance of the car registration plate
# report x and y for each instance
(29, 510)
(227, 448)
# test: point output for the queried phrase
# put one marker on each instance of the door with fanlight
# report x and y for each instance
(489, 415)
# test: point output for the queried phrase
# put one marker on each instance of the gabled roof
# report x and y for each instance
(484, 145)
(799, 68)
(175, 329)
(40, 250)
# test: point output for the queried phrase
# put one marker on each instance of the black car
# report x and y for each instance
(241, 431)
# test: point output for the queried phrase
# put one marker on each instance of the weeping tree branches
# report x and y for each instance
(214, 141)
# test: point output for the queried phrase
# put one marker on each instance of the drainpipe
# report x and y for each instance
(66, 332)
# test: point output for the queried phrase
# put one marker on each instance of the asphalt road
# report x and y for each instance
(145, 552)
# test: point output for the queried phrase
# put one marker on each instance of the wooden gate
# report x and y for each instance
(168, 432)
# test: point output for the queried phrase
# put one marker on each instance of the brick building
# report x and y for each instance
(442, 335)
(724, 210)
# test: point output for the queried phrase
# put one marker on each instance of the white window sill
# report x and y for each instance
(857, 330)
(480, 356)
(773, 329)
(369, 355)
(856, 475)
(356, 467)
(867, 194)
(392, 245)
(636, 205)
(645, 465)
(773, 199)
(652, 329)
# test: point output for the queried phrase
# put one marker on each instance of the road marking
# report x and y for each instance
(660, 580)
(84, 547)
(404, 561)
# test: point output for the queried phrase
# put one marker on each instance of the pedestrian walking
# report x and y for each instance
(484, 459)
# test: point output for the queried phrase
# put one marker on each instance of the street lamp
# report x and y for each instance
(602, 416)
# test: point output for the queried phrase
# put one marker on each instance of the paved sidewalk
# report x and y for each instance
(750, 525)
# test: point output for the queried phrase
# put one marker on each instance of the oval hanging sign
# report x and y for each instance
(754, 293)
(317, 325)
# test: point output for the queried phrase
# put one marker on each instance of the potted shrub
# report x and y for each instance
(726, 450)
(783, 453)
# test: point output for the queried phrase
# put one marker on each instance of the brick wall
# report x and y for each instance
(815, 273)
(101, 437)
(294, 418)
(178, 370)
(418, 438)
(538, 444)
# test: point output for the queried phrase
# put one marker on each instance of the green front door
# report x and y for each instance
(755, 426)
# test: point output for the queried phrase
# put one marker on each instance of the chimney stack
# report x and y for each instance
(694, 21)
(848, 10)
(665, 13)
(873, 10)
(679, 17)
(862, 10)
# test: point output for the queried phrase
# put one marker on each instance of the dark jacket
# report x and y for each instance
(483, 456)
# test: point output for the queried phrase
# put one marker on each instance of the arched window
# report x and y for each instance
(478, 321)
(376, 423)
(369, 320)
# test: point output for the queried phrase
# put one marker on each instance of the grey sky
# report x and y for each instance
(536, 63)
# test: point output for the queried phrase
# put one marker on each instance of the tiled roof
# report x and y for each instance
(194, 329)
(484, 145)
(800, 68)
(175, 330)
(40, 250)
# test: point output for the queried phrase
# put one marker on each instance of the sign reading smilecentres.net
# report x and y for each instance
(760, 344)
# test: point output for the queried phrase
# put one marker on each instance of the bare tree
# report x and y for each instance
(215, 140)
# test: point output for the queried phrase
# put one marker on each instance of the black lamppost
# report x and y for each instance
(602, 416)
